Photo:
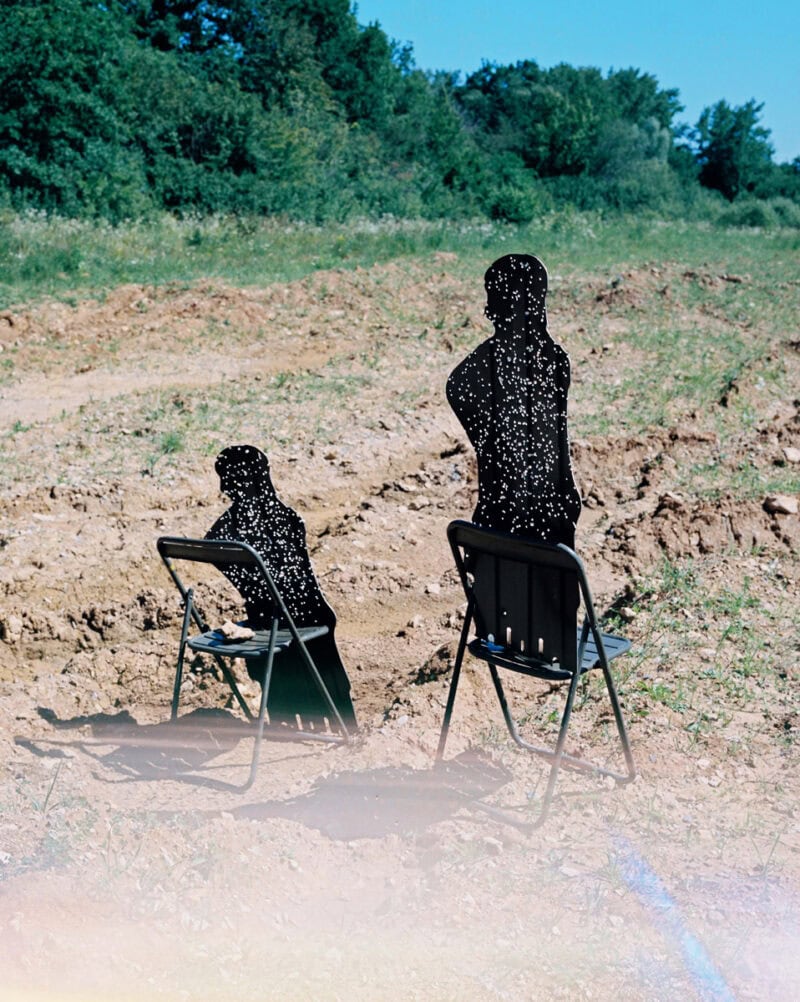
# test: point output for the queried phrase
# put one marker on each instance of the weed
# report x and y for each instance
(171, 442)
(45, 803)
(168, 444)
(670, 695)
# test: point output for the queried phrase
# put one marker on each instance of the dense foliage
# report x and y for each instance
(120, 108)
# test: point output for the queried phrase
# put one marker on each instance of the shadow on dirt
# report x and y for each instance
(371, 803)
(174, 750)
(400, 801)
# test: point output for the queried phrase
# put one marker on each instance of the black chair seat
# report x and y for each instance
(215, 642)
(505, 657)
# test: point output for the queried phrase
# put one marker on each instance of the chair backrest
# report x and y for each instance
(223, 552)
(526, 594)
(226, 555)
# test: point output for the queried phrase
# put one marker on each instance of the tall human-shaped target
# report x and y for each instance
(510, 394)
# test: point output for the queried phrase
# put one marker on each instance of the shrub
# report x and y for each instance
(765, 214)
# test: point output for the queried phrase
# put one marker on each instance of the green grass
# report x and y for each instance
(41, 257)
(149, 432)
(704, 648)
(712, 354)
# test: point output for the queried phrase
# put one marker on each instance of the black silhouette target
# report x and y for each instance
(510, 394)
(276, 532)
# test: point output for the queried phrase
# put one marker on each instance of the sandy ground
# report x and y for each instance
(132, 868)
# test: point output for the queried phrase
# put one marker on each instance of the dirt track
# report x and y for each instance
(131, 868)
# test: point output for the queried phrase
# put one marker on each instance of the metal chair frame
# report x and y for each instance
(261, 649)
(523, 598)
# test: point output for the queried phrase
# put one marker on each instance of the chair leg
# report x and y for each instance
(571, 760)
(621, 729)
(614, 699)
(584, 637)
(262, 706)
(451, 696)
(559, 753)
(230, 678)
(510, 724)
(176, 689)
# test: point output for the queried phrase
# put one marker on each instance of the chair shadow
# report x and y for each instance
(392, 800)
(370, 803)
(174, 750)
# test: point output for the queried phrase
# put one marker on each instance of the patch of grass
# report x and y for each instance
(724, 474)
(168, 443)
(684, 370)
(150, 431)
(711, 352)
(704, 647)
(43, 257)
(670, 694)
(171, 442)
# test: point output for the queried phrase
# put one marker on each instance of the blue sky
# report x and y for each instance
(707, 49)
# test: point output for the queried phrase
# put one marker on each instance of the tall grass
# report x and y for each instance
(44, 257)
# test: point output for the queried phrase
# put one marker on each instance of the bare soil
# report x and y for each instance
(132, 866)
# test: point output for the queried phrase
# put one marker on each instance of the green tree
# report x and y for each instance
(636, 97)
(555, 119)
(782, 181)
(62, 143)
(732, 150)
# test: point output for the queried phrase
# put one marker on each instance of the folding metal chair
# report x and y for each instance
(259, 652)
(522, 600)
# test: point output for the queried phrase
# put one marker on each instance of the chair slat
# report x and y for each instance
(214, 551)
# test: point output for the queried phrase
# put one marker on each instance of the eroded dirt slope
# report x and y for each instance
(131, 866)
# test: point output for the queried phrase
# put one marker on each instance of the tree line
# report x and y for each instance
(291, 107)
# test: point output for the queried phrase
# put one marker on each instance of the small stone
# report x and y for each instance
(781, 504)
(494, 845)
(791, 454)
(671, 500)
(434, 588)
(233, 631)
(11, 629)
